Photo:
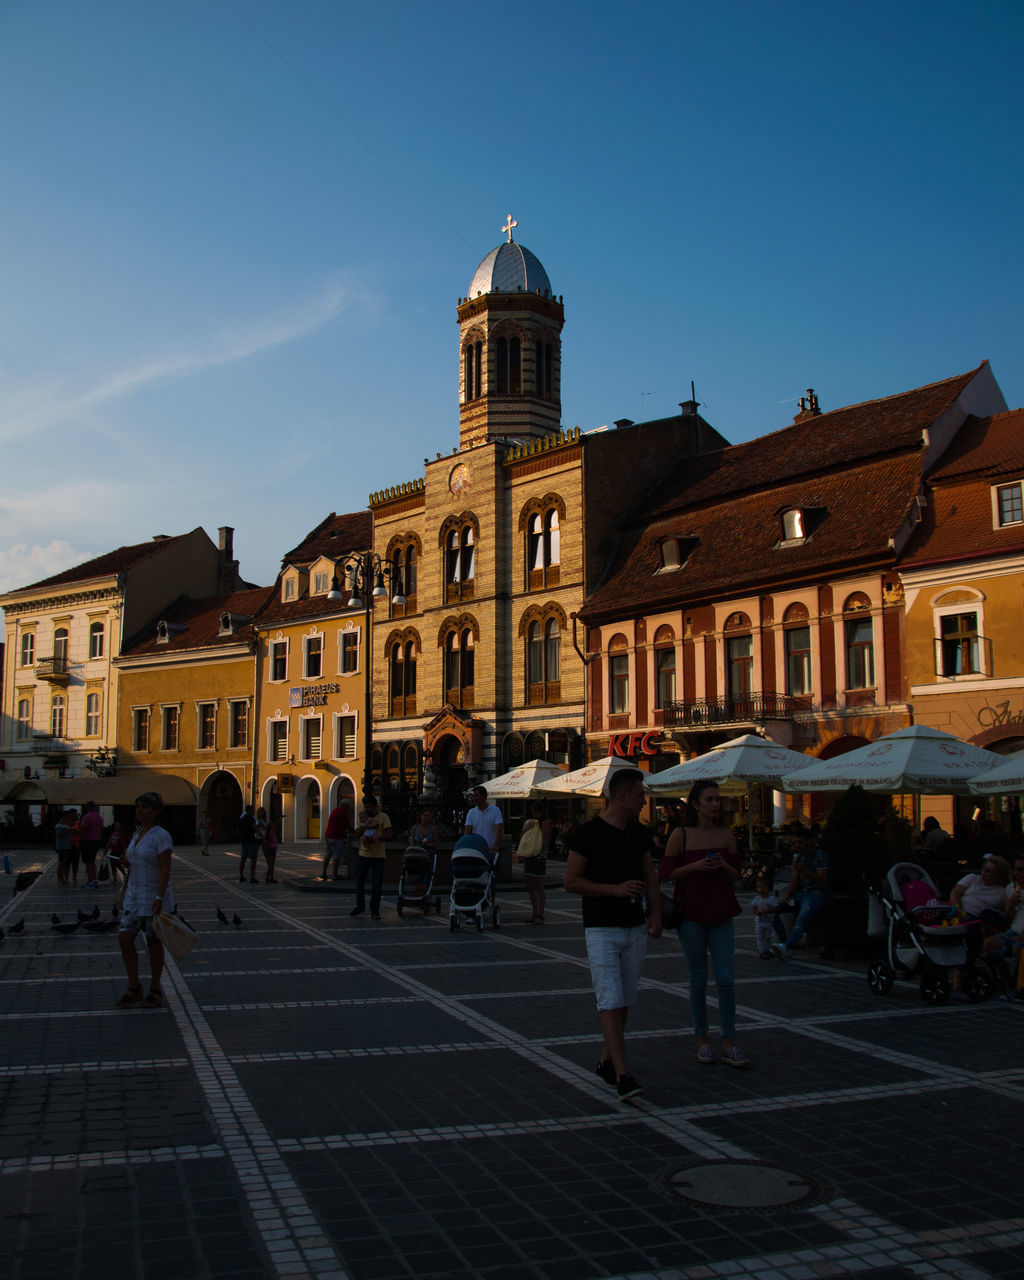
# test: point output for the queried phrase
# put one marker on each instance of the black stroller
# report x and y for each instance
(416, 883)
(924, 940)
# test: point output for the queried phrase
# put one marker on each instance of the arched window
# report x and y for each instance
(403, 678)
(858, 633)
(92, 715)
(28, 648)
(472, 356)
(739, 662)
(618, 676)
(543, 548)
(459, 544)
(459, 667)
(60, 651)
(57, 707)
(24, 730)
(404, 574)
(508, 361)
(96, 630)
(797, 638)
(664, 667)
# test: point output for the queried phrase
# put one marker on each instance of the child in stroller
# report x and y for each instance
(924, 938)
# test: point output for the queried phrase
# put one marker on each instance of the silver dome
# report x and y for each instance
(510, 269)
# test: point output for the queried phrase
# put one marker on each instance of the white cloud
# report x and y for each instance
(54, 406)
(22, 564)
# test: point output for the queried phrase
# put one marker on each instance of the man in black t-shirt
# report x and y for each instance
(609, 866)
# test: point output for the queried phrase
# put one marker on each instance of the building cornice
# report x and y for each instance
(20, 602)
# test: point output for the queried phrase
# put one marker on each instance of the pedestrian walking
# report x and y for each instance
(147, 896)
(336, 833)
(484, 819)
(90, 839)
(609, 865)
(267, 836)
(249, 845)
(702, 861)
(533, 850)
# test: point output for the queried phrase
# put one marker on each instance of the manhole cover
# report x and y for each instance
(745, 1184)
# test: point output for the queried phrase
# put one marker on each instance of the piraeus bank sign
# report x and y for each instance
(313, 695)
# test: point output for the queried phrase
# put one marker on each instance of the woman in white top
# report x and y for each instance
(147, 896)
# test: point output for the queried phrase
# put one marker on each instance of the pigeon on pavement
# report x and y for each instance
(65, 928)
(236, 920)
(221, 916)
(19, 927)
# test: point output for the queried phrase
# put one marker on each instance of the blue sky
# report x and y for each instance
(234, 232)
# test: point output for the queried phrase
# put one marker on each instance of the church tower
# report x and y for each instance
(510, 348)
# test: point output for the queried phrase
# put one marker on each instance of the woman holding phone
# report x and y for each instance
(703, 865)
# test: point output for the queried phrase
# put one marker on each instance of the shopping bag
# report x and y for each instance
(176, 934)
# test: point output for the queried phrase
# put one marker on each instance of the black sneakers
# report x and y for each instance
(607, 1072)
(627, 1088)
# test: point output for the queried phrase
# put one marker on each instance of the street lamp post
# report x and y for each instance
(365, 573)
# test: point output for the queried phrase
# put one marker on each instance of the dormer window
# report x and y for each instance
(321, 583)
(225, 624)
(673, 553)
(289, 589)
(793, 525)
(161, 633)
(1008, 503)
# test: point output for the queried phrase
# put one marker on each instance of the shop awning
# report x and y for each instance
(119, 790)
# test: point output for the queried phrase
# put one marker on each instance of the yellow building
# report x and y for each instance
(964, 586)
(60, 683)
(187, 694)
(310, 732)
(494, 545)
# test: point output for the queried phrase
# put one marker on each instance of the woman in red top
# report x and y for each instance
(702, 862)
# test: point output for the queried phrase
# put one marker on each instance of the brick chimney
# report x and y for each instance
(809, 407)
(228, 574)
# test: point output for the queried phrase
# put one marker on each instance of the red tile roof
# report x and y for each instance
(984, 446)
(111, 562)
(200, 623)
(336, 536)
(957, 523)
(811, 447)
(856, 511)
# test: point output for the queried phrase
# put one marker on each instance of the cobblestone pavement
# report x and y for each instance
(335, 1097)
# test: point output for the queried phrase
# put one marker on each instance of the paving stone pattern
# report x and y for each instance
(331, 1097)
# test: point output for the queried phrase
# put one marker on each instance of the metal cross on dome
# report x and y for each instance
(509, 225)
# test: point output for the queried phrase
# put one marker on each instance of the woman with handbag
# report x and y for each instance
(702, 863)
(534, 843)
(147, 896)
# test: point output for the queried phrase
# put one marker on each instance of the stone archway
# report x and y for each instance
(308, 799)
(221, 798)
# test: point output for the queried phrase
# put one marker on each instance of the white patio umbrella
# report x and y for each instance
(591, 780)
(738, 764)
(1007, 778)
(918, 759)
(521, 783)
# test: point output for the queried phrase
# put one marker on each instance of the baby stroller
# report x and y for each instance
(923, 938)
(473, 884)
(416, 882)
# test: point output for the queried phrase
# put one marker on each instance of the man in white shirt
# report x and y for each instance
(485, 820)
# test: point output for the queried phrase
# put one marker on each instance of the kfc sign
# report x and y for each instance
(628, 745)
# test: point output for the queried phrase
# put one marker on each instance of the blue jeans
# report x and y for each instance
(808, 901)
(697, 940)
(376, 868)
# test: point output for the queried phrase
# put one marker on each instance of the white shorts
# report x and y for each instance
(616, 961)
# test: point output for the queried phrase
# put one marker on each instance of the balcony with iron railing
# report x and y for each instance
(716, 713)
(56, 669)
(47, 745)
